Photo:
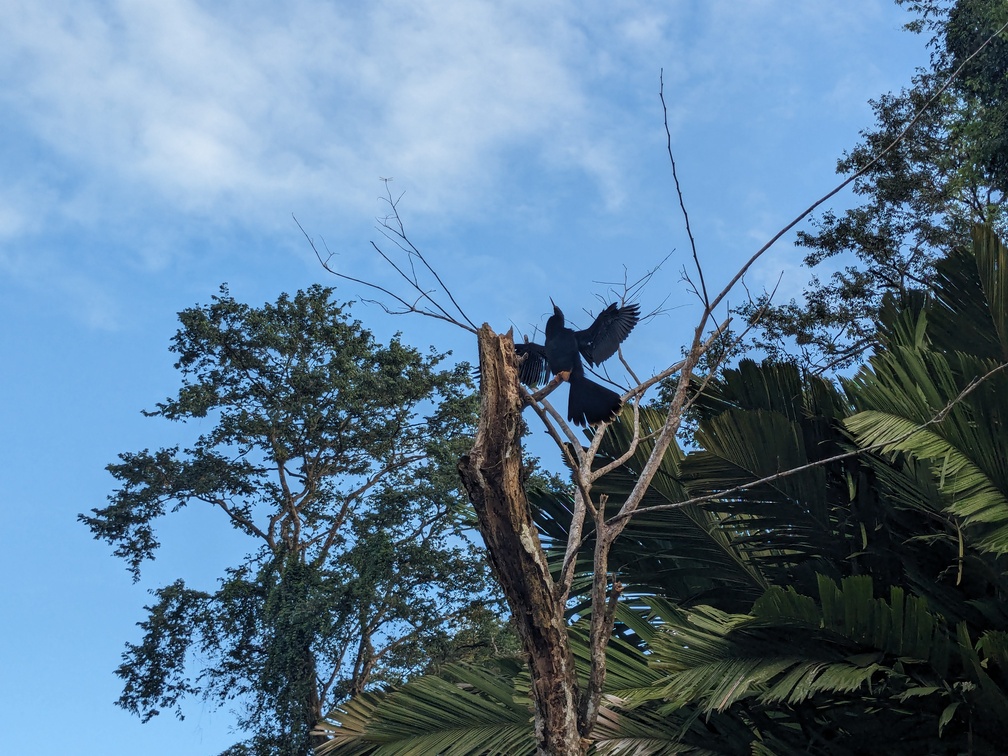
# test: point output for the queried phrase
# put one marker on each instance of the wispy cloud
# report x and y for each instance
(230, 107)
(132, 120)
(220, 108)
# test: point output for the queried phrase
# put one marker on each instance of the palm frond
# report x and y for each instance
(913, 402)
(465, 711)
(971, 289)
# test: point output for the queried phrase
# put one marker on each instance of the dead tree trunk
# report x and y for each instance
(492, 474)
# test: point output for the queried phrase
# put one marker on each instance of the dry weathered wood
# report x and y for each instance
(492, 475)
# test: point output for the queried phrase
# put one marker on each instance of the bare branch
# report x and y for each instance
(324, 261)
(581, 508)
(240, 519)
(857, 174)
(682, 203)
(400, 233)
(574, 456)
(355, 495)
(625, 456)
(439, 313)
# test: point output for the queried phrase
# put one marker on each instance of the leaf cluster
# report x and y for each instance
(882, 626)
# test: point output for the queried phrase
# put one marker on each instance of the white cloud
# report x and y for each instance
(229, 108)
(146, 122)
(242, 105)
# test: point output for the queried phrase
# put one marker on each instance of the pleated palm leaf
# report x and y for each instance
(907, 655)
(762, 420)
(936, 403)
(758, 421)
(838, 672)
(464, 710)
(921, 511)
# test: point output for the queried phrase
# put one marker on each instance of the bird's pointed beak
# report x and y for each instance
(556, 310)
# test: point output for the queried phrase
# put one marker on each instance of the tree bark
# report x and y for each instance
(492, 475)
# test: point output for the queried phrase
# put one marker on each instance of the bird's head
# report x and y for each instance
(556, 320)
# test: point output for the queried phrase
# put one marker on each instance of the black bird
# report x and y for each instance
(589, 403)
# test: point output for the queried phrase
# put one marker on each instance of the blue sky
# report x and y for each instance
(150, 151)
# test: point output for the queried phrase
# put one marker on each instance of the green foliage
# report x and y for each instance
(838, 672)
(918, 202)
(335, 456)
(460, 712)
(844, 588)
(160, 678)
(884, 626)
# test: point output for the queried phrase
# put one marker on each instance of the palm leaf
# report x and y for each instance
(759, 421)
(921, 396)
(970, 313)
(912, 402)
(466, 710)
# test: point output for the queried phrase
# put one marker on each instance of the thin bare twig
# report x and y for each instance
(401, 234)
(625, 456)
(393, 229)
(857, 174)
(407, 306)
(675, 178)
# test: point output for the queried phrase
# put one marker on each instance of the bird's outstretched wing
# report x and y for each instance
(601, 339)
(533, 370)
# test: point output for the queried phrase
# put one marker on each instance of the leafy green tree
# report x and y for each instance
(335, 456)
(948, 172)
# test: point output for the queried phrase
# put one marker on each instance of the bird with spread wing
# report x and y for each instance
(589, 403)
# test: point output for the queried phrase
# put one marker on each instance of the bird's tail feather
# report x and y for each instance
(589, 403)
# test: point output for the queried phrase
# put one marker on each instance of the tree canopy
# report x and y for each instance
(335, 456)
(948, 172)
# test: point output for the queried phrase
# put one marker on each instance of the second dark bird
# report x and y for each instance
(589, 403)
